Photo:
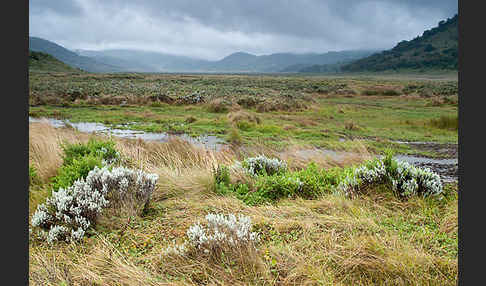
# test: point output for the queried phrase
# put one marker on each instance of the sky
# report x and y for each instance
(214, 29)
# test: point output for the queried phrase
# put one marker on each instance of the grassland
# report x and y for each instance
(374, 239)
(371, 239)
(277, 111)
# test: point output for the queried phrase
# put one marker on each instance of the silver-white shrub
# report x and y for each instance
(192, 98)
(69, 212)
(372, 172)
(57, 233)
(406, 179)
(221, 233)
(410, 180)
(259, 164)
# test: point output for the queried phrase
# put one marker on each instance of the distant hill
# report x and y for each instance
(68, 57)
(329, 68)
(145, 61)
(236, 62)
(284, 62)
(44, 62)
(435, 49)
(331, 62)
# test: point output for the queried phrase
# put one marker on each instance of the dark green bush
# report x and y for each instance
(370, 92)
(390, 92)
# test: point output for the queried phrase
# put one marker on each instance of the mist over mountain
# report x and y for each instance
(434, 49)
(69, 57)
(119, 60)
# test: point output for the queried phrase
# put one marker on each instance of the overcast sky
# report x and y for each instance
(215, 29)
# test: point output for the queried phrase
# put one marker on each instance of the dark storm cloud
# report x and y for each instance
(210, 30)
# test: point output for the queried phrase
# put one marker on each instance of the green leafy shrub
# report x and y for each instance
(33, 176)
(307, 183)
(78, 168)
(221, 175)
(105, 149)
(317, 181)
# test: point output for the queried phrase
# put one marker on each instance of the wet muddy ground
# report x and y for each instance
(445, 164)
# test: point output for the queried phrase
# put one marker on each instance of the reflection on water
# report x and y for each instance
(208, 141)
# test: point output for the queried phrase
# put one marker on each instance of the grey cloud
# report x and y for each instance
(211, 29)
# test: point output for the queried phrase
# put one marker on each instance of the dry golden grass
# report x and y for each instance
(370, 240)
(45, 152)
(242, 115)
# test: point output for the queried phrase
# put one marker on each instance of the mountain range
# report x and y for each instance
(146, 61)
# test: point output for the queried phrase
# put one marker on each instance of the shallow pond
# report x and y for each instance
(208, 141)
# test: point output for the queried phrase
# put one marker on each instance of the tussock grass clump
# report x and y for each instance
(190, 119)
(45, 147)
(234, 136)
(242, 115)
(386, 92)
(350, 125)
(445, 122)
(282, 104)
(219, 105)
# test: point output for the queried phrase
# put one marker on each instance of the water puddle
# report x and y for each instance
(446, 168)
(207, 141)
